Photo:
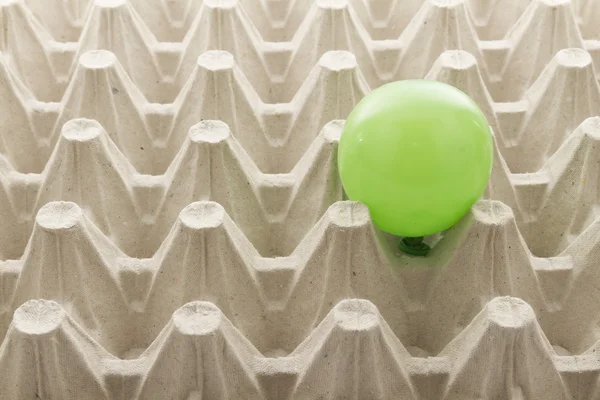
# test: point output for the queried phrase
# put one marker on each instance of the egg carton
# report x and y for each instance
(174, 226)
(158, 42)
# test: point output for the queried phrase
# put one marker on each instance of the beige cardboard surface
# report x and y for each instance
(173, 226)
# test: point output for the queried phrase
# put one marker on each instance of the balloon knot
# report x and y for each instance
(414, 246)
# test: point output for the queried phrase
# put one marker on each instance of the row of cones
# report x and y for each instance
(277, 69)
(279, 20)
(552, 206)
(200, 354)
(277, 135)
(277, 301)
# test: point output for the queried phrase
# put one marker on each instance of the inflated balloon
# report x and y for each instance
(418, 153)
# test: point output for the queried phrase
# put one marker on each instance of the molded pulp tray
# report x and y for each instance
(172, 223)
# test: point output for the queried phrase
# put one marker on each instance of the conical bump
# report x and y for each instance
(203, 353)
(506, 333)
(459, 60)
(101, 90)
(81, 130)
(374, 357)
(97, 59)
(347, 214)
(509, 313)
(332, 4)
(209, 131)
(564, 95)
(490, 259)
(574, 58)
(356, 315)
(59, 216)
(115, 25)
(38, 317)
(216, 60)
(201, 215)
(546, 25)
(197, 319)
(446, 25)
(332, 132)
(338, 61)
(493, 213)
(109, 3)
(459, 68)
(45, 346)
(217, 90)
(572, 174)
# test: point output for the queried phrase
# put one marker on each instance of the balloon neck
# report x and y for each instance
(414, 246)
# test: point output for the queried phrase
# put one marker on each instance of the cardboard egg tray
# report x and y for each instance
(173, 226)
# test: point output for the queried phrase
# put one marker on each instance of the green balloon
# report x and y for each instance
(418, 153)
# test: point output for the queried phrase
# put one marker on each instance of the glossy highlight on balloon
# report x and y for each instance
(418, 153)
